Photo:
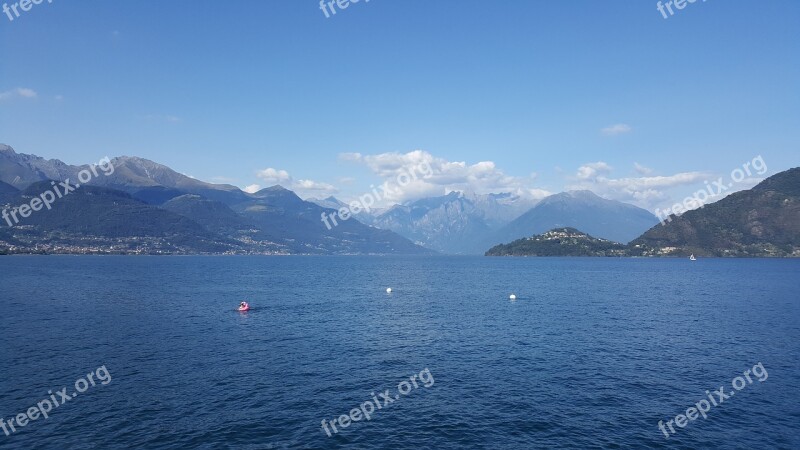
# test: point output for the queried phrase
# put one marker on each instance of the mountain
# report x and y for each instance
(583, 210)
(762, 221)
(213, 215)
(469, 224)
(92, 216)
(132, 174)
(221, 219)
(157, 195)
(7, 192)
(334, 203)
(21, 170)
(560, 242)
(287, 219)
(457, 223)
(500, 209)
(129, 174)
(448, 224)
(136, 201)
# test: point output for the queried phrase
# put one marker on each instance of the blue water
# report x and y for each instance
(592, 354)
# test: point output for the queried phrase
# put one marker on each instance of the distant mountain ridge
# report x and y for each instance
(143, 206)
(469, 224)
(332, 202)
(101, 217)
(761, 222)
(456, 223)
(7, 192)
(466, 223)
(21, 170)
(133, 174)
(281, 213)
(130, 174)
(583, 210)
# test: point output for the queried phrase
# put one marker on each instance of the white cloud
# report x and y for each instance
(616, 129)
(593, 170)
(303, 188)
(19, 92)
(350, 156)
(644, 191)
(309, 185)
(642, 170)
(272, 176)
(437, 176)
(538, 194)
(252, 189)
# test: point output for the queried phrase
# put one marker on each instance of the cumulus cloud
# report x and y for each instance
(642, 170)
(593, 170)
(438, 176)
(350, 156)
(616, 129)
(273, 176)
(252, 189)
(19, 92)
(303, 188)
(315, 186)
(645, 191)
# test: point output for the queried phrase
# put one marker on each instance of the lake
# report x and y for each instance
(593, 353)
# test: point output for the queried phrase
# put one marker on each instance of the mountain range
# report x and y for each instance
(456, 223)
(760, 222)
(144, 207)
(469, 224)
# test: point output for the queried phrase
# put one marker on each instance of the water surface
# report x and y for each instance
(593, 353)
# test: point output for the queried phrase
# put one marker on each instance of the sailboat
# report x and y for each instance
(692, 258)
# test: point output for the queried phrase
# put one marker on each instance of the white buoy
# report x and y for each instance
(512, 297)
(388, 290)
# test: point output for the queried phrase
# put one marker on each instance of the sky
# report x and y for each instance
(531, 97)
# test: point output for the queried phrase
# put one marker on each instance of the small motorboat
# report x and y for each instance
(244, 306)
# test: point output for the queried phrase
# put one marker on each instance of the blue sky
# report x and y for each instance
(225, 91)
